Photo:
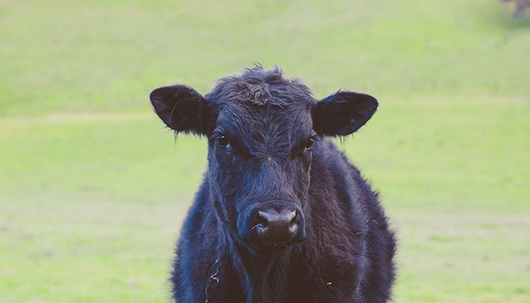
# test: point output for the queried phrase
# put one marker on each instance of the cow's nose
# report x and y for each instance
(277, 228)
(276, 225)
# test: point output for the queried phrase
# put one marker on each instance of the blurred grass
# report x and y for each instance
(93, 189)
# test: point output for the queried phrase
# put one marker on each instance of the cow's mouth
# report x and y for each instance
(272, 246)
(268, 247)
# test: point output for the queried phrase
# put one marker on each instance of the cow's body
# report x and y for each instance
(342, 249)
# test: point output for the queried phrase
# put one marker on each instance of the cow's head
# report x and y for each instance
(262, 130)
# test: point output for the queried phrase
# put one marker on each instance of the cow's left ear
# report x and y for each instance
(342, 113)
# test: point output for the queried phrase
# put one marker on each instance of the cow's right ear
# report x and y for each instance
(181, 108)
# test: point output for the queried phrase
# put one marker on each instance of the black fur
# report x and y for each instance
(269, 122)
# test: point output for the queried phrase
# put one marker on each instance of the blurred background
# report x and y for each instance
(93, 188)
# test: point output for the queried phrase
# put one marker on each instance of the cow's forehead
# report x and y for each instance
(253, 121)
(265, 131)
(261, 106)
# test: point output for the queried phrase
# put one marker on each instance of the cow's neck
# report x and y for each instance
(265, 278)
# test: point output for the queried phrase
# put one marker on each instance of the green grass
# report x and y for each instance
(93, 189)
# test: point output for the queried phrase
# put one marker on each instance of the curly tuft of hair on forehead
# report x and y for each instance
(260, 87)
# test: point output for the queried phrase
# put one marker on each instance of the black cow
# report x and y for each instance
(281, 215)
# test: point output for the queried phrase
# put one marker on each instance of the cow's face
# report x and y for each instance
(259, 161)
(261, 131)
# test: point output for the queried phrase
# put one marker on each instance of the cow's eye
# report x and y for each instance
(309, 143)
(222, 141)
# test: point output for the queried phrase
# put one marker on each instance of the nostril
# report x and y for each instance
(294, 220)
(261, 218)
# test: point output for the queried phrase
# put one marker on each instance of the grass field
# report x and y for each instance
(93, 189)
